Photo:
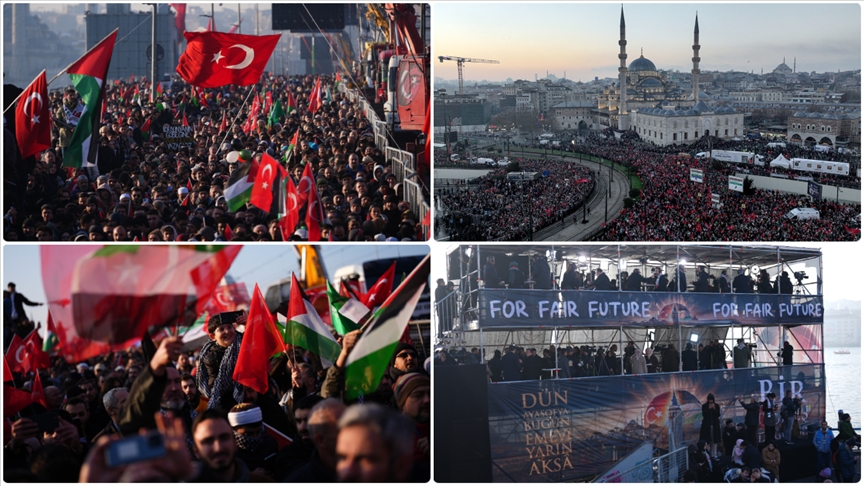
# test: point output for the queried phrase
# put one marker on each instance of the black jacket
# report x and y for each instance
(753, 409)
(741, 285)
(602, 282)
(144, 401)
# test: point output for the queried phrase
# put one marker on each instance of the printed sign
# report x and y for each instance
(697, 175)
(177, 137)
(736, 184)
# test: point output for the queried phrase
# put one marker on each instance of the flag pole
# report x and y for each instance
(63, 71)
(239, 112)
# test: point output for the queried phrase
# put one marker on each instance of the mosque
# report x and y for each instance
(657, 109)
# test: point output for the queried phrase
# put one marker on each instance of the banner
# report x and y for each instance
(178, 137)
(574, 308)
(814, 190)
(570, 430)
(736, 184)
(697, 175)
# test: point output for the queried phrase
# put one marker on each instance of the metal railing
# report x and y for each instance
(670, 467)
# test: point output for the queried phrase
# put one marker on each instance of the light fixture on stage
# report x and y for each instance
(682, 261)
(583, 258)
(694, 338)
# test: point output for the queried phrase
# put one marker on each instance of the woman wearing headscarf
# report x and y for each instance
(710, 430)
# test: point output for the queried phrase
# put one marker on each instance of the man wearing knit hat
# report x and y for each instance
(412, 392)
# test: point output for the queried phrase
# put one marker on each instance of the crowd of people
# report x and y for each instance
(672, 208)
(495, 208)
(161, 412)
(149, 186)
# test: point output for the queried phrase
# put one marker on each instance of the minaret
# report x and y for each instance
(795, 64)
(696, 60)
(623, 113)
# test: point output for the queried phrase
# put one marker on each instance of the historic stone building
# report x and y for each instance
(837, 128)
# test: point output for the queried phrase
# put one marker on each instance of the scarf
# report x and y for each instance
(250, 443)
(224, 380)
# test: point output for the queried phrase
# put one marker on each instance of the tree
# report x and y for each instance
(635, 193)
(748, 186)
(513, 167)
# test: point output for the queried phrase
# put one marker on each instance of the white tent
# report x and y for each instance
(780, 161)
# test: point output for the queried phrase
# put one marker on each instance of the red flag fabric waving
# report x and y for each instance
(214, 59)
(314, 214)
(260, 341)
(185, 121)
(33, 118)
(307, 183)
(315, 96)
(229, 234)
(262, 191)
(7, 373)
(14, 400)
(292, 210)
(180, 19)
(26, 354)
(38, 393)
(224, 124)
(382, 288)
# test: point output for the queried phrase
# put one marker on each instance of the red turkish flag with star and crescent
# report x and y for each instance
(263, 190)
(214, 59)
(33, 118)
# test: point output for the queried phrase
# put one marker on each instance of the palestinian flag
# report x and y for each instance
(158, 89)
(369, 359)
(337, 82)
(276, 112)
(289, 153)
(345, 313)
(145, 130)
(119, 292)
(240, 184)
(88, 76)
(292, 103)
(306, 330)
(52, 342)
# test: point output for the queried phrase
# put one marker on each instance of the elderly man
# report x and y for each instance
(374, 445)
(114, 401)
(323, 430)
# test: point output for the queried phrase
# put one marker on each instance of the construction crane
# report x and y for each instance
(459, 62)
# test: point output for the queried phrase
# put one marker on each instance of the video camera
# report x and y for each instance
(800, 276)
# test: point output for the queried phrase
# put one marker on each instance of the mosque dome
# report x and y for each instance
(642, 64)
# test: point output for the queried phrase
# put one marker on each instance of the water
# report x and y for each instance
(843, 373)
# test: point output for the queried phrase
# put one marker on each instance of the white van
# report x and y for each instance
(799, 214)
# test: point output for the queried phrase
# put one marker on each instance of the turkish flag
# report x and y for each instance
(270, 176)
(314, 214)
(214, 59)
(224, 124)
(7, 373)
(38, 393)
(27, 355)
(33, 119)
(260, 341)
(382, 288)
(292, 210)
(307, 183)
(315, 96)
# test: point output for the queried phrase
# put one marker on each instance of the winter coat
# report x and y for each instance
(710, 423)
(771, 460)
(845, 462)
(738, 453)
(822, 441)
(752, 417)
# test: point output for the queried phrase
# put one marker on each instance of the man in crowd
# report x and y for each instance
(373, 446)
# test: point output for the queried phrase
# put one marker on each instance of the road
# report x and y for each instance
(620, 189)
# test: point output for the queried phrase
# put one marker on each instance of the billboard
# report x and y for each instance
(814, 190)
(697, 175)
(570, 430)
(502, 308)
(736, 184)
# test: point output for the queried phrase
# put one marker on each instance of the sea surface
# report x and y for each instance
(843, 372)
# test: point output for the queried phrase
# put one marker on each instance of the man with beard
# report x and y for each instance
(412, 394)
(216, 448)
(190, 388)
(158, 389)
(254, 446)
(295, 456)
(374, 445)
(323, 431)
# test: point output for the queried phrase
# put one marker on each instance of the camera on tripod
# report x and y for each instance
(800, 276)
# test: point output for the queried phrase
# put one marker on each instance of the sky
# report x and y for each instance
(262, 264)
(582, 39)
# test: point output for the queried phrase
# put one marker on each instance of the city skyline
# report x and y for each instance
(518, 34)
